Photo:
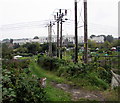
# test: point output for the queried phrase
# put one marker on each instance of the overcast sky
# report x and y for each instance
(31, 16)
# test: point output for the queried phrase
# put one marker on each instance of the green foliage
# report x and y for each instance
(109, 38)
(104, 74)
(21, 64)
(33, 48)
(7, 51)
(90, 73)
(53, 94)
(45, 48)
(116, 43)
(94, 79)
(56, 94)
(22, 50)
(70, 45)
(50, 63)
(92, 44)
(107, 45)
(19, 86)
(72, 70)
(16, 45)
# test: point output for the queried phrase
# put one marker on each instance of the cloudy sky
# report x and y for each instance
(27, 18)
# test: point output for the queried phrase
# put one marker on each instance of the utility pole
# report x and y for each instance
(61, 38)
(59, 19)
(76, 37)
(57, 35)
(50, 39)
(85, 33)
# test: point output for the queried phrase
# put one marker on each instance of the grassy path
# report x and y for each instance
(53, 94)
(58, 89)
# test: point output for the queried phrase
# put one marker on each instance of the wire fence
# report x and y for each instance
(111, 62)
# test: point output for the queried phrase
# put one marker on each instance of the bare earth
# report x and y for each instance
(79, 93)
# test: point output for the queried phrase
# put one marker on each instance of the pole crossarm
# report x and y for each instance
(59, 19)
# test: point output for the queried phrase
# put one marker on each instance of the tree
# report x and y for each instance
(116, 43)
(16, 45)
(44, 47)
(32, 47)
(109, 38)
(22, 50)
(107, 45)
(6, 51)
(36, 37)
(6, 40)
(92, 36)
(92, 44)
(11, 40)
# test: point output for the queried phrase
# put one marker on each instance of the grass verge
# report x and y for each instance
(52, 93)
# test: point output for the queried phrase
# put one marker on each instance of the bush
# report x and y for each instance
(21, 64)
(91, 72)
(104, 74)
(50, 63)
(72, 70)
(19, 87)
(94, 79)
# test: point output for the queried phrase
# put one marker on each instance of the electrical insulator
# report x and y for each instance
(60, 10)
(55, 17)
(57, 14)
(65, 12)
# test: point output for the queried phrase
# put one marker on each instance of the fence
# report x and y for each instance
(111, 62)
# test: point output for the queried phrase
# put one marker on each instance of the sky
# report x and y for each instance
(29, 18)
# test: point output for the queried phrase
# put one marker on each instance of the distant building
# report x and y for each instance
(5, 41)
(81, 39)
(67, 39)
(43, 40)
(20, 41)
(98, 39)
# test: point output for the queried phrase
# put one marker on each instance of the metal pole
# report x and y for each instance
(76, 38)
(85, 33)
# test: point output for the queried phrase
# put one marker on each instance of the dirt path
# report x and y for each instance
(79, 93)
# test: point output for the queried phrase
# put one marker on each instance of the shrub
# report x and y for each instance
(72, 70)
(19, 87)
(94, 79)
(51, 63)
(104, 74)
(91, 72)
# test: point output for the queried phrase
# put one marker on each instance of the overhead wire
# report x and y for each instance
(22, 25)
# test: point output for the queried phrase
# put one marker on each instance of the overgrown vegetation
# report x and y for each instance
(52, 93)
(91, 73)
(18, 84)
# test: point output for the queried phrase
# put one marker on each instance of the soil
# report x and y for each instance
(79, 93)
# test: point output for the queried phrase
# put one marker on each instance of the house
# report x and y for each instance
(98, 39)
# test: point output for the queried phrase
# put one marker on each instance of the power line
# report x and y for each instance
(80, 13)
(78, 1)
(24, 25)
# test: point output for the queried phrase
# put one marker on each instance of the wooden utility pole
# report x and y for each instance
(57, 34)
(85, 33)
(50, 40)
(61, 38)
(76, 37)
(59, 19)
